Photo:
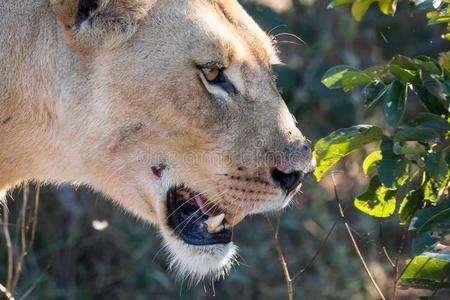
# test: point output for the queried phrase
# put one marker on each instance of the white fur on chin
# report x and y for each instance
(196, 263)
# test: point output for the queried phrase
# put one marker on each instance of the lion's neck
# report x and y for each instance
(31, 68)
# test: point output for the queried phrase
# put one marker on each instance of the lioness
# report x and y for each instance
(169, 107)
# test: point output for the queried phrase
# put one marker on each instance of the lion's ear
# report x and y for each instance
(94, 22)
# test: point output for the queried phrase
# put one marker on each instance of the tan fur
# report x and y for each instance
(102, 102)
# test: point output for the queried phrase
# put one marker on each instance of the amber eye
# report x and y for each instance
(211, 74)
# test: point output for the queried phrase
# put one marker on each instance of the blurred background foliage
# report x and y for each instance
(86, 248)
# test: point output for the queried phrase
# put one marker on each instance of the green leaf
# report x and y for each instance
(360, 7)
(333, 77)
(433, 231)
(338, 144)
(424, 63)
(431, 191)
(378, 201)
(388, 7)
(391, 167)
(444, 19)
(379, 73)
(429, 65)
(422, 216)
(427, 272)
(436, 166)
(431, 121)
(408, 133)
(352, 79)
(444, 84)
(409, 149)
(394, 103)
(405, 75)
(410, 204)
(370, 161)
(374, 92)
(433, 103)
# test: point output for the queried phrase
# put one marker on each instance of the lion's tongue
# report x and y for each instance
(208, 209)
(204, 207)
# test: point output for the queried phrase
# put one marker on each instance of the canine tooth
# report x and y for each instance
(214, 223)
(218, 229)
(234, 219)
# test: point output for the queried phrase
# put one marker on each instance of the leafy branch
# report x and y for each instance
(411, 164)
(438, 11)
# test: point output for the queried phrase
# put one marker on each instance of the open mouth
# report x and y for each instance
(196, 220)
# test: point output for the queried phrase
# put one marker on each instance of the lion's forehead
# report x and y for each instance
(223, 27)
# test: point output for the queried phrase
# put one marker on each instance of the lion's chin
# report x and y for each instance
(197, 263)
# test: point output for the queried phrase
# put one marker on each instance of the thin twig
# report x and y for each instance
(383, 248)
(23, 239)
(5, 292)
(35, 215)
(322, 245)
(8, 243)
(396, 269)
(355, 245)
(287, 276)
(393, 265)
(443, 279)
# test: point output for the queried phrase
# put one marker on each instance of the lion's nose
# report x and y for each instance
(288, 181)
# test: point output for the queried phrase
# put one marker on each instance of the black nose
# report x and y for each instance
(289, 181)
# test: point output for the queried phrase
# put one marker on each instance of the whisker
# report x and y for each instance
(291, 35)
(289, 42)
(210, 209)
(199, 209)
(187, 202)
(276, 27)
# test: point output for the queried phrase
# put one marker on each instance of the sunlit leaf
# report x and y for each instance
(352, 79)
(388, 7)
(405, 75)
(378, 201)
(338, 144)
(333, 77)
(428, 64)
(379, 73)
(427, 272)
(360, 7)
(431, 191)
(410, 204)
(370, 161)
(424, 63)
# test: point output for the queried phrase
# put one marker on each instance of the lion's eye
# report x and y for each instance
(215, 76)
(211, 74)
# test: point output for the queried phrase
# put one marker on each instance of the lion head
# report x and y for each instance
(171, 108)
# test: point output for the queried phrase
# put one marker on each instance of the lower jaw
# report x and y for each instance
(198, 262)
